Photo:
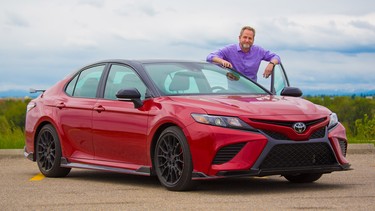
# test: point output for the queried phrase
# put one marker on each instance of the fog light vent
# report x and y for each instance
(226, 153)
(343, 146)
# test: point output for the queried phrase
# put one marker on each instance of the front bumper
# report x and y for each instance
(261, 173)
(272, 156)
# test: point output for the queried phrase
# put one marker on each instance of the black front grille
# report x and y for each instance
(298, 155)
(320, 133)
(288, 123)
(226, 153)
(276, 135)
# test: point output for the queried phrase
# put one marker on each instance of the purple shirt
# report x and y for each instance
(246, 63)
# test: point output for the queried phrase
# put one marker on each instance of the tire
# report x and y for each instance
(48, 153)
(172, 160)
(303, 178)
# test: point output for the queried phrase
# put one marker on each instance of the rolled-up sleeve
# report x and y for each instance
(214, 54)
(219, 53)
(268, 56)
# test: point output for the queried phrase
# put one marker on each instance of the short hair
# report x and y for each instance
(247, 28)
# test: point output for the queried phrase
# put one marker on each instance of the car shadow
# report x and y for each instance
(260, 185)
(113, 178)
(241, 185)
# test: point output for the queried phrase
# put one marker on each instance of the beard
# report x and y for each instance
(246, 46)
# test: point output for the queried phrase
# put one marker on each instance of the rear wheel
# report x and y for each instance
(48, 153)
(173, 164)
(303, 178)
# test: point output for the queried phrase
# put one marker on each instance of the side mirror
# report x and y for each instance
(291, 91)
(132, 95)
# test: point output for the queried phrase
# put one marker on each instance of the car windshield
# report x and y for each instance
(188, 78)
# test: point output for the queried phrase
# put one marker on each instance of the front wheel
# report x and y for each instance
(173, 164)
(48, 153)
(303, 178)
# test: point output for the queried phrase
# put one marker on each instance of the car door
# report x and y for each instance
(277, 81)
(75, 115)
(120, 128)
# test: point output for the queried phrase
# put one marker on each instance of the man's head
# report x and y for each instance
(246, 37)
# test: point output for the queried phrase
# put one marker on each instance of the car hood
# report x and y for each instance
(254, 105)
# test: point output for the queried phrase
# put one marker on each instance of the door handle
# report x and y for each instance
(60, 105)
(99, 108)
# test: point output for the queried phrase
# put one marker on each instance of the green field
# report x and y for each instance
(357, 114)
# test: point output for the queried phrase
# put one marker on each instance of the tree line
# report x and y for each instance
(12, 123)
(357, 114)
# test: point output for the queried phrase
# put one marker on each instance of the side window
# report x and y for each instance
(85, 84)
(70, 88)
(122, 77)
(279, 80)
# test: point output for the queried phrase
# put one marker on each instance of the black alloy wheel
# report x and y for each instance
(48, 153)
(172, 159)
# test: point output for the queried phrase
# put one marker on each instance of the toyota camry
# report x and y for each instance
(183, 122)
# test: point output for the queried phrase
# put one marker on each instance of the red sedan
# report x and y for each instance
(181, 121)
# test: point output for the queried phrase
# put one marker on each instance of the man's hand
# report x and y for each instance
(226, 64)
(268, 70)
(223, 62)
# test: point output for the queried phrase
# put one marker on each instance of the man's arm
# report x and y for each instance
(273, 59)
(223, 62)
(218, 57)
(269, 67)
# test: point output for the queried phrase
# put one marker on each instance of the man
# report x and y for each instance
(245, 57)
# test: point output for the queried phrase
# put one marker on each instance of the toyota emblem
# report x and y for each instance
(299, 127)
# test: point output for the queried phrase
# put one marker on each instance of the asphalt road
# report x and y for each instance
(22, 189)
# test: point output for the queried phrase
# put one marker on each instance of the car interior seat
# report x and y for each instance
(133, 81)
(180, 82)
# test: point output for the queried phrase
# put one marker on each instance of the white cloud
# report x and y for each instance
(41, 41)
(16, 20)
(325, 70)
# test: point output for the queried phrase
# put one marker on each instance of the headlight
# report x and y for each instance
(30, 106)
(333, 121)
(222, 121)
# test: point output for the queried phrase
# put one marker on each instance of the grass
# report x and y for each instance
(360, 141)
(12, 140)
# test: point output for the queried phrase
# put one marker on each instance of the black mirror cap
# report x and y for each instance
(128, 93)
(291, 91)
(131, 94)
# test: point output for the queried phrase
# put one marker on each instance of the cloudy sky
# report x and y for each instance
(323, 44)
